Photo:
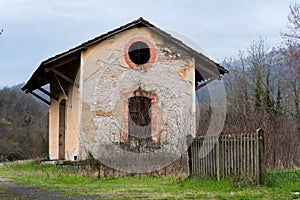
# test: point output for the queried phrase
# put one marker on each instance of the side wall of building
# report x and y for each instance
(68, 106)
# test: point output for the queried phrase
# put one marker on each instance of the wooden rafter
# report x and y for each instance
(58, 64)
(39, 97)
(204, 84)
(61, 87)
(48, 93)
(65, 78)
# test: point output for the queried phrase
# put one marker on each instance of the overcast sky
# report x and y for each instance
(35, 30)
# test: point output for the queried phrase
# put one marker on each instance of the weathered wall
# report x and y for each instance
(97, 112)
(53, 129)
(106, 81)
(71, 120)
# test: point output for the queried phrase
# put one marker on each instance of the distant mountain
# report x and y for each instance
(19, 87)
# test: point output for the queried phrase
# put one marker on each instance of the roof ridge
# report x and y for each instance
(139, 22)
(99, 38)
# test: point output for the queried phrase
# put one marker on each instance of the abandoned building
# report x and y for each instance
(129, 90)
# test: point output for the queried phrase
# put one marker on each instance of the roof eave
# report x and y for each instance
(140, 22)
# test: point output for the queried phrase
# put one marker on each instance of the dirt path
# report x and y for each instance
(12, 191)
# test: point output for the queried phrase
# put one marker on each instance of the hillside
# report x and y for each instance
(23, 125)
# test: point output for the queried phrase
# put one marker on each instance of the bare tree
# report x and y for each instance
(294, 23)
(290, 54)
(256, 100)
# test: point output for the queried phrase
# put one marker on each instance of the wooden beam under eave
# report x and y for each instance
(39, 97)
(58, 64)
(48, 93)
(204, 84)
(65, 78)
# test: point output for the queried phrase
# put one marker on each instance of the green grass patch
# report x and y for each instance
(279, 184)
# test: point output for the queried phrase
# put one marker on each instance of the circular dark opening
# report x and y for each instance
(139, 53)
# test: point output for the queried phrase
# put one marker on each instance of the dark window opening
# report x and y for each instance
(139, 53)
(139, 109)
(140, 126)
(139, 119)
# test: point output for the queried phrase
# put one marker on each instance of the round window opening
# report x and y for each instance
(139, 53)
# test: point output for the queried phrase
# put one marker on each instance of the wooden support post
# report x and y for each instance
(221, 155)
(218, 158)
(261, 156)
(189, 142)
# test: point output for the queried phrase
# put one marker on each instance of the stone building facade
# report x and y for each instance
(127, 92)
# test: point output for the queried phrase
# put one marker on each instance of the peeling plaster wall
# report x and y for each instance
(106, 79)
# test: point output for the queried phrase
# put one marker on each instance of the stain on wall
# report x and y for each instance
(100, 106)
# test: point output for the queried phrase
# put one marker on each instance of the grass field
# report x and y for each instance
(279, 184)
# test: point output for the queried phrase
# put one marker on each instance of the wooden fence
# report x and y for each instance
(228, 155)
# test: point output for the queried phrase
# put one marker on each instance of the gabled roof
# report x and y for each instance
(41, 76)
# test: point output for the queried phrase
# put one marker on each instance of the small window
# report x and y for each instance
(139, 53)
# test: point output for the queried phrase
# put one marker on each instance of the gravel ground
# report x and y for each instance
(12, 191)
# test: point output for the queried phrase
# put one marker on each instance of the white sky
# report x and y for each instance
(35, 30)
